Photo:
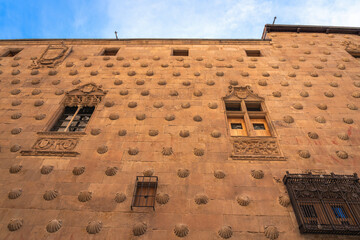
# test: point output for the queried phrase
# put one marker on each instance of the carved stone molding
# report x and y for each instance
(88, 95)
(237, 93)
(249, 148)
(51, 146)
(52, 56)
(351, 47)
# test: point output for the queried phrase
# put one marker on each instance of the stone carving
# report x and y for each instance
(284, 83)
(15, 72)
(162, 82)
(271, 232)
(149, 73)
(15, 64)
(352, 106)
(348, 120)
(181, 230)
(59, 92)
(132, 104)
(95, 131)
(16, 102)
(320, 119)
(197, 118)
(158, 104)
(282, 59)
(185, 105)
(40, 116)
(73, 72)
(167, 151)
(201, 199)
(162, 198)
(94, 73)
(288, 119)
(140, 116)
(256, 148)
(292, 74)
(257, 174)
(35, 81)
(88, 95)
(118, 82)
(52, 56)
(15, 91)
(140, 82)
(251, 66)
(122, 132)
(36, 92)
(114, 116)
(131, 73)
(46, 169)
(78, 171)
(124, 92)
(225, 232)
(265, 74)
(184, 133)
(243, 200)
(38, 103)
(111, 171)
(322, 106)
(212, 105)
(120, 197)
(156, 58)
(276, 94)
(219, 174)
(196, 74)
(55, 82)
(139, 228)
(176, 74)
(170, 117)
(164, 65)
(329, 94)
(50, 195)
(133, 151)
(109, 65)
(343, 136)
(148, 172)
(215, 134)
(199, 152)
(119, 58)
(297, 106)
(15, 193)
(94, 227)
(211, 82)
(173, 93)
(53, 226)
(262, 82)
(304, 94)
(342, 154)
(357, 84)
(284, 200)
(109, 104)
(304, 153)
(153, 132)
(183, 173)
(85, 196)
(15, 148)
(15, 81)
(15, 168)
(219, 74)
(355, 94)
(34, 72)
(313, 135)
(49, 146)
(145, 93)
(16, 131)
(197, 93)
(15, 224)
(106, 58)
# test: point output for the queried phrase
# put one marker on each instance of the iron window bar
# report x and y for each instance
(144, 192)
(328, 204)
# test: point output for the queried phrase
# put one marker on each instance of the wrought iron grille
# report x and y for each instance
(144, 192)
(327, 204)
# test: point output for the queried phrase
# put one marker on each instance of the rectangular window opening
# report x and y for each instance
(233, 106)
(253, 107)
(110, 52)
(180, 52)
(11, 52)
(73, 119)
(339, 212)
(145, 191)
(308, 211)
(259, 126)
(236, 126)
(253, 53)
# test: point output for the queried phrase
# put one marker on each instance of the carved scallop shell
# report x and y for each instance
(53, 226)
(251, 66)
(162, 82)
(257, 174)
(197, 118)
(15, 131)
(116, 73)
(302, 59)
(94, 227)
(265, 74)
(69, 64)
(59, 92)
(46, 169)
(167, 151)
(352, 106)
(162, 198)
(140, 82)
(36, 92)
(122, 132)
(186, 65)
(133, 151)
(185, 105)
(307, 84)
(76, 82)
(132, 104)
(262, 82)
(174, 93)
(240, 59)
(95, 131)
(275, 66)
(124, 92)
(342, 154)
(158, 104)
(320, 119)
(15, 72)
(343, 136)
(94, 73)
(304, 94)
(288, 119)
(271, 232)
(219, 174)
(15, 64)
(120, 197)
(78, 171)
(118, 82)
(208, 65)
(50, 195)
(176, 74)
(197, 93)
(212, 105)
(15, 168)
(88, 64)
(284, 83)
(282, 59)
(201, 199)
(38, 103)
(276, 94)
(225, 232)
(114, 116)
(341, 66)
(211, 83)
(73, 72)
(304, 153)
(15, 148)
(284, 200)
(355, 94)
(313, 135)
(15, 81)
(85, 196)
(153, 132)
(15, 193)
(199, 152)
(348, 120)
(140, 116)
(15, 91)
(16, 102)
(199, 59)
(357, 84)
(184, 133)
(196, 74)
(297, 106)
(292, 74)
(181, 230)
(219, 74)
(148, 172)
(322, 106)
(183, 173)
(55, 82)
(131, 73)
(164, 65)
(111, 171)
(243, 200)
(15, 224)
(215, 134)
(149, 73)
(102, 149)
(329, 94)
(186, 83)
(109, 65)
(170, 117)
(234, 82)
(156, 58)
(139, 228)
(314, 74)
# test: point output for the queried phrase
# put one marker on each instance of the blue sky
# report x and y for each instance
(166, 18)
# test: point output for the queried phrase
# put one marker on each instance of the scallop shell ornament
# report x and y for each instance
(321, 106)
(219, 174)
(15, 131)
(343, 136)
(313, 135)
(148, 172)
(78, 171)
(225, 232)
(46, 169)
(120, 197)
(183, 173)
(271, 232)
(15, 193)
(139, 229)
(181, 230)
(15, 224)
(167, 151)
(102, 149)
(122, 132)
(212, 105)
(257, 174)
(297, 106)
(133, 151)
(304, 153)
(348, 120)
(243, 200)
(162, 198)
(288, 119)
(15, 168)
(201, 199)
(94, 227)
(215, 134)
(53, 226)
(284, 200)
(85, 196)
(153, 132)
(342, 154)
(111, 171)
(50, 195)
(184, 133)
(199, 152)
(320, 119)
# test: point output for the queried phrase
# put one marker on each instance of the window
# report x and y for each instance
(12, 52)
(73, 119)
(327, 204)
(145, 192)
(180, 52)
(253, 53)
(109, 52)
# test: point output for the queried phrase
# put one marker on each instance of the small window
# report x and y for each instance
(145, 192)
(11, 52)
(73, 119)
(253, 53)
(110, 52)
(236, 126)
(233, 106)
(356, 55)
(253, 106)
(180, 52)
(259, 126)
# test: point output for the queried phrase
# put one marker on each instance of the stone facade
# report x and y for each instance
(163, 115)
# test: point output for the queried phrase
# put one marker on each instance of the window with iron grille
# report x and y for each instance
(73, 119)
(328, 204)
(144, 192)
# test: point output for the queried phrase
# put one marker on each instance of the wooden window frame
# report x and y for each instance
(149, 184)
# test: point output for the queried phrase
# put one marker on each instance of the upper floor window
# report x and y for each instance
(145, 192)
(327, 204)
(12, 52)
(253, 53)
(109, 52)
(180, 52)
(73, 119)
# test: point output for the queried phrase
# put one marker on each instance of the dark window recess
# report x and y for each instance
(145, 192)
(110, 52)
(11, 52)
(73, 119)
(233, 106)
(253, 107)
(328, 204)
(253, 53)
(258, 126)
(236, 126)
(183, 52)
